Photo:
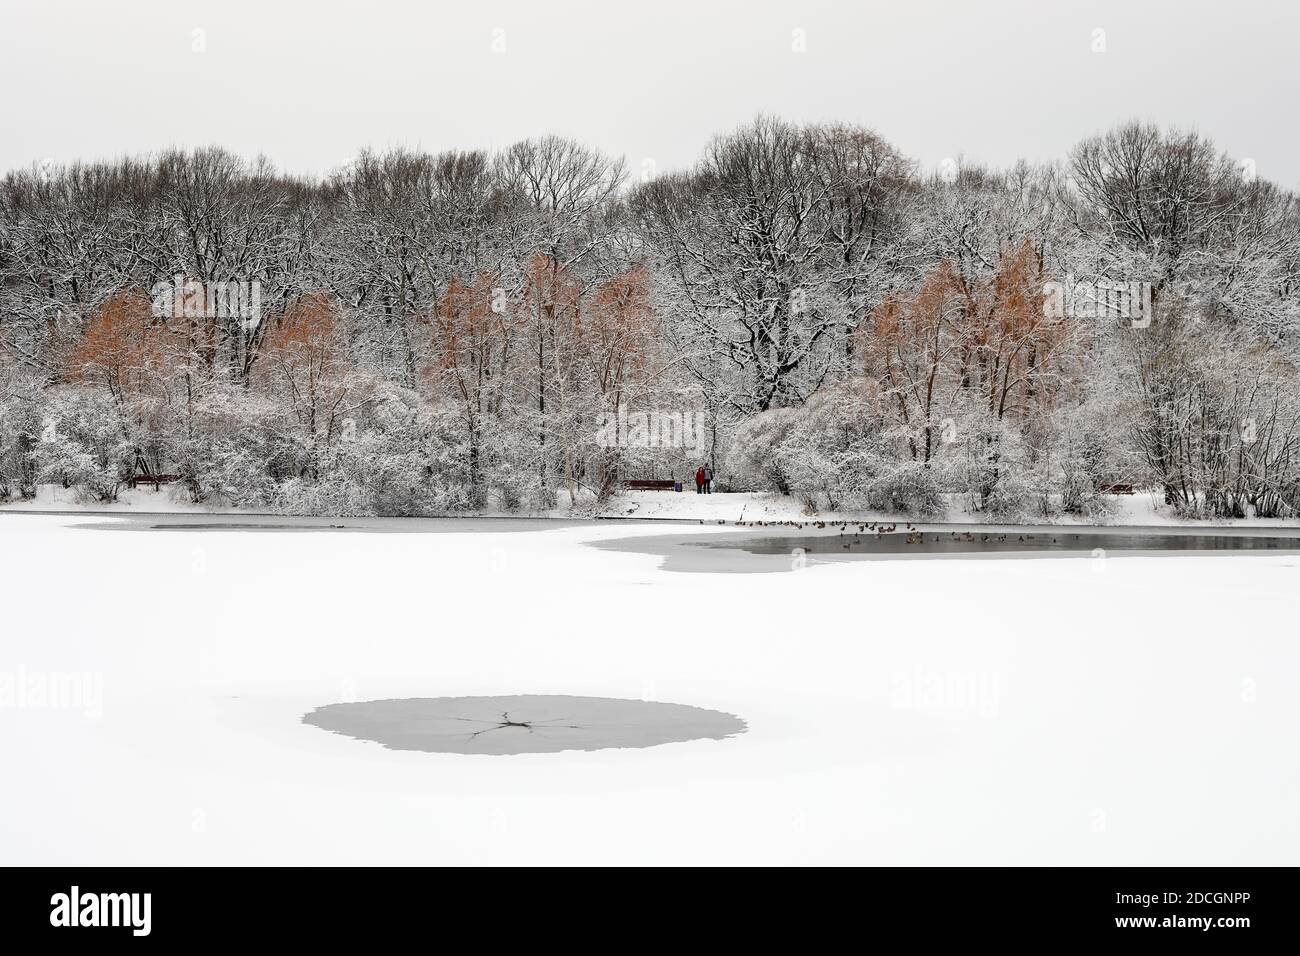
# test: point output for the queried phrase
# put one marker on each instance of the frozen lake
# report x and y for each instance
(153, 685)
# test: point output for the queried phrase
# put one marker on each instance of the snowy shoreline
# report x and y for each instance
(732, 508)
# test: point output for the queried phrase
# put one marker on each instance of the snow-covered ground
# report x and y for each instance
(166, 499)
(1129, 711)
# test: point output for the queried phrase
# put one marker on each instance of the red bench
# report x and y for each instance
(650, 484)
(154, 480)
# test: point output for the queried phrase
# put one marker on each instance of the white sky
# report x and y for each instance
(307, 84)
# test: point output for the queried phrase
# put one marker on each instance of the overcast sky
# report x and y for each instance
(308, 83)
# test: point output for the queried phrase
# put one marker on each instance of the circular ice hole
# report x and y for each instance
(521, 724)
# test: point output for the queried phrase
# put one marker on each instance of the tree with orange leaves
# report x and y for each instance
(907, 348)
(617, 333)
(617, 339)
(470, 333)
(124, 348)
(303, 363)
(1008, 339)
(984, 344)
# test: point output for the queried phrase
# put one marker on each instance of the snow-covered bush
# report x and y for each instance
(1085, 454)
(830, 452)
(908, 487)
(398, 457)
(758, 454)
(224, 448)
(230, 472)
(84, 443)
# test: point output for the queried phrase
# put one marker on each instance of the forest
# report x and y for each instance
(805, 309)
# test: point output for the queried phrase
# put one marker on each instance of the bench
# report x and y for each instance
(1118, 490)
(650, 484)
(154, 480)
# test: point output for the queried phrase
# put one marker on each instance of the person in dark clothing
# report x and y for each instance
(699, 480)
(708, 480)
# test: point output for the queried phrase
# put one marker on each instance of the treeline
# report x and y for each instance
(420, 334)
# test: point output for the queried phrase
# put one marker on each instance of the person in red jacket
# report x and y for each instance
(699, 480)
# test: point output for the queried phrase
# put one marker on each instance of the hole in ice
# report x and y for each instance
(520, 724)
